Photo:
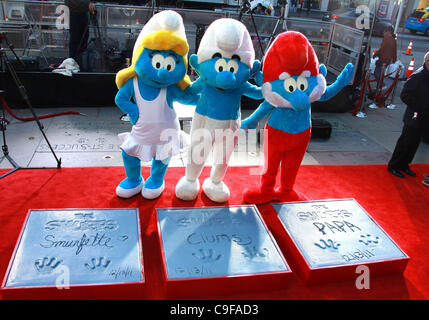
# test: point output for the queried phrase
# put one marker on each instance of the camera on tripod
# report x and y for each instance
(6, 65)
(245, 6)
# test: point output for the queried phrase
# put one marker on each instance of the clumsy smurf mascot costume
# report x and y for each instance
(224, 62)
(293, 79)
(156, 77)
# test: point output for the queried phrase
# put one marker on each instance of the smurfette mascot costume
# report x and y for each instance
(156, 78)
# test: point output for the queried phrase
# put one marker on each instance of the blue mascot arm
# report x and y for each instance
(252, 121)
(259, 78)
(174, 93)
(195, 87)
(252, 91)
(122, 100)
(342, 80)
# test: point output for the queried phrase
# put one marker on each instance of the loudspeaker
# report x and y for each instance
(321, 129)
(426, 136)
(30, 64)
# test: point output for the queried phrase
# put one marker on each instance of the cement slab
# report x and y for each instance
(345, 141)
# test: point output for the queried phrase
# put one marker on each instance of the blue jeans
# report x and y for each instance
(377, 70)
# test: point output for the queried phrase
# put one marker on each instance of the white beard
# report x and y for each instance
(273, 97)
(278, 101)
(319, 90)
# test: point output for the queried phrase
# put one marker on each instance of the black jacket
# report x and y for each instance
(77, 6)
(415, 95)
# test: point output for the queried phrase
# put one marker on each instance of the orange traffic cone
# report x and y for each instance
(410, 48)
(410, 68)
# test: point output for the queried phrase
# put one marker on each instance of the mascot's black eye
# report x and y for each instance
(232, 66)
(290, 85)
(221, 65)
(302, 83)
(169, 67)
(158, 61)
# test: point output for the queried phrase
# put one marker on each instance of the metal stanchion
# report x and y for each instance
(391, 105)
(379, 88)
(360, 107)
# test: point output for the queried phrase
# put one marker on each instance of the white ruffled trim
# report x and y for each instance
(161, 151)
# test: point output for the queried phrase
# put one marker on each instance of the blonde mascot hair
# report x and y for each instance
(164, 31)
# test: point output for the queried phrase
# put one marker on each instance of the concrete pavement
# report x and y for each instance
(91, 140)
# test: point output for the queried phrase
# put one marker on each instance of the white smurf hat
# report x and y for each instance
(228, 37)
(167, 20)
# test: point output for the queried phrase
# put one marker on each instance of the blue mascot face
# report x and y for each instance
(222, 73)
(295, 92)
(159, 68)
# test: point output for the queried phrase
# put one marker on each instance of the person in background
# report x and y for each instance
(260, 9)
(294, 4)
(301, 4)
(308, 6)
(387, 52)
(416, 119)
(79, 22)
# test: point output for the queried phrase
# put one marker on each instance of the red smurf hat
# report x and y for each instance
(290, 53)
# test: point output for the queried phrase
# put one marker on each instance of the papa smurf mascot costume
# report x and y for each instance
(156, 77)
(293, 79)
(225, 61)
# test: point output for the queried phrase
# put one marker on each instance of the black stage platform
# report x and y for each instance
(93, 89)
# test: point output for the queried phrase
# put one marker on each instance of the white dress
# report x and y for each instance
(157, 132)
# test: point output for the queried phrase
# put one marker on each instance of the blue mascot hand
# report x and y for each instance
(134, 117)
(346, 75)
(249, 124)
(255, 68)
(259, 78)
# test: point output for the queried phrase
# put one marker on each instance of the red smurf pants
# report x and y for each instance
(285, 149)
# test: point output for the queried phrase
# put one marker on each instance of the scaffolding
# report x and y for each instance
(335, 45)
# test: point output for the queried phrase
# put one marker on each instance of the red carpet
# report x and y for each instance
(400, 206)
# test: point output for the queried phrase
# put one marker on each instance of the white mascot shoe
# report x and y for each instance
(151, 194)
(187, 190)
(128, 193)
(217, 192)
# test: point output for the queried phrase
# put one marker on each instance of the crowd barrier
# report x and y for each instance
(41, 28)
